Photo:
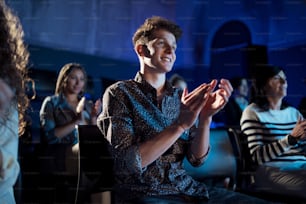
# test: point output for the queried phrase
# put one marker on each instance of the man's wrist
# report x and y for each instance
(205, 120)
(180, 125)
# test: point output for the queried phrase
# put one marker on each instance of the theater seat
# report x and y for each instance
(245, 166)
(96, 164)
(246, 172)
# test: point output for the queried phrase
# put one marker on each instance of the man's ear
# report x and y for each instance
(142, 50)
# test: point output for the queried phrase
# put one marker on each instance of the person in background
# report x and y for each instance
(276, 134)
(302, 107)
(152, 125)
(178, 81)
(302, 104)
(231, 114)
(59, 116)
(237, 102)
(13, 100)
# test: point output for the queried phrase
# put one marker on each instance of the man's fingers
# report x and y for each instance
(199, 92)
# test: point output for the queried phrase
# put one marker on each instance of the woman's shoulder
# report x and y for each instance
(251, 111)
(293, 110)
(252, 107)
(53, 99)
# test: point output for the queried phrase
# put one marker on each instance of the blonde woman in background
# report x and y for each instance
(59, 115)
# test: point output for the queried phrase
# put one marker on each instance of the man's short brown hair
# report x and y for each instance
(145, 32)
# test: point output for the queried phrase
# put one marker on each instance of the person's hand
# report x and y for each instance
(79, 119)
(79, 110)
(217, 99)
(81, 105)
(6, 96)
(192, 103)
(97, 108)
(299, 131)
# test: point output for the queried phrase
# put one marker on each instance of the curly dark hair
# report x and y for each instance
(145, 32)
(14, 60)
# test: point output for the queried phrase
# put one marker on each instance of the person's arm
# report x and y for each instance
(216, 100)
(260, 150)
(117, 125)
(200, 142)
(64, 130)
(53, 132)
(6, 96)
(192, 104)
(9, 166)
(95, 111)
(299, 131)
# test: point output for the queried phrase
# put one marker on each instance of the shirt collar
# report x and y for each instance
(146, 86)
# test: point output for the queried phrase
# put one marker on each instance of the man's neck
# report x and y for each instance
(156, 80)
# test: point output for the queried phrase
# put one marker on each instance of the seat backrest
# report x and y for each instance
(95, 159)
(243, 149)
(246, 166)
(221, 161)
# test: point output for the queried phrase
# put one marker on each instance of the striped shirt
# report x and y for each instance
(267, 134)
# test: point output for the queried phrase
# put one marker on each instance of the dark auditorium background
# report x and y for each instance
(221, 38)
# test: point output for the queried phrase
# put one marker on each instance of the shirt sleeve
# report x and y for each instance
(47, 121)
(196, 162)
(116, 125)
(260, 151)
(9, 166)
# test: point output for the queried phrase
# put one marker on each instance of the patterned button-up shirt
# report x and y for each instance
(131, 115)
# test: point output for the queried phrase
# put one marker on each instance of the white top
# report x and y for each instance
(267, 134)
(9, 166)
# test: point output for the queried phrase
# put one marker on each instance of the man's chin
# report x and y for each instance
(168, 68)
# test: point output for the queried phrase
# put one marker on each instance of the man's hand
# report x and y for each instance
(192, 104)
(217, 99)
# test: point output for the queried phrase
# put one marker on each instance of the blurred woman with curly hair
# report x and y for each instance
(13, 99)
